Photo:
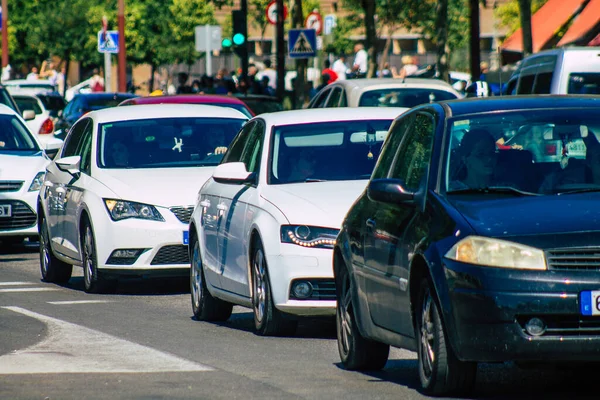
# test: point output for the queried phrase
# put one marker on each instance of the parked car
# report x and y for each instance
(465, 253)
(84, 103)
(260, 104)
(82, 87)
(263, 227)
(129, 177)
(29, 86)
(566, 70)
(376, 92)
(22, 168)
(7, 100)
(42, 125)
(209, 99)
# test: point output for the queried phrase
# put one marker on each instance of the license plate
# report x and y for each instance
(590, 302)
(5, 210)
(186, 237)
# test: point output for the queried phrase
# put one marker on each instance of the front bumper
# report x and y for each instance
(491, 306)
(306, 264)
(23, 221)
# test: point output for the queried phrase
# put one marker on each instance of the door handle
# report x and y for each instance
(205, 203)
(371, 223)
(221, 207)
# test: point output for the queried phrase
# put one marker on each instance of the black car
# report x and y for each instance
(465, 250)
(83, 103)
(260, 104)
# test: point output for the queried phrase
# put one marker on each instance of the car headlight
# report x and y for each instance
(120, 209)
(38, 181)
(309, 236)
(497, 253)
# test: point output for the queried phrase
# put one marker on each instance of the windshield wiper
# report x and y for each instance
(494, 189)
(310, 180)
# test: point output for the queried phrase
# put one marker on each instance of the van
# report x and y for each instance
(569, 70)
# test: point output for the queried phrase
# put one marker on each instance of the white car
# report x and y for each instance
(15, 86)
(118, 197)
(82, 87)
(42, 125)
(263, 229)
(22, 169)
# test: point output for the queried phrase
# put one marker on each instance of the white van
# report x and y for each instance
(569, 70)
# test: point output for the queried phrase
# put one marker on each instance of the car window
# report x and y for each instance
(7, 100)
(234, 153)
(14, 136)
(28, 103)
(584, 83)
(390, 147)
(334, 99)
(74, 138)
(52, 103)
(525, 85)
(543, 83)
(344, 100)
(403, 97)
(322, 97)
(415, 152)
(84, 149)
(253, 149)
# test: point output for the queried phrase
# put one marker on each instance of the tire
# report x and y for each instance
(356, 352)
(52, 269)
(204, 305)
(441, 373)
(268, 320)
(93, 281)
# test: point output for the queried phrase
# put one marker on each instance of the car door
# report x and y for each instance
(212, 213)
(55, 190)
(75, 189)
(387, 224)
(238, 203)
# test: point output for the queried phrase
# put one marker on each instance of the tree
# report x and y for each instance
(512, 17)
(186, 15)
(257, 10)
(525, 13)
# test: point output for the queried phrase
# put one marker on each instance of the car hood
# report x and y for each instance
(161, 187)
(21, 167)
(544, 215)
(316, 203)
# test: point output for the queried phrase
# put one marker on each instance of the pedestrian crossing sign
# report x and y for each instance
(108, 41)
(302, 43)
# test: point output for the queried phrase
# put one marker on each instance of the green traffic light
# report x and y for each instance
(226, 43)
(238, 39)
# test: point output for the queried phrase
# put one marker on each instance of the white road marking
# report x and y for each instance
(33, 289)
(16, 283)
(79, 302)
(70, 348)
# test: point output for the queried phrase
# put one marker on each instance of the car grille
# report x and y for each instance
(22, 217)
(176, 254)
(183, 214)
(576, 259)
(10, 186)
(323, 289)
(565, 325)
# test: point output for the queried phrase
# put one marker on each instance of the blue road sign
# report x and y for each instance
(302, 43)
(108, 42)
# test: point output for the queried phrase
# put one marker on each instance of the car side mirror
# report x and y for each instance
(69, 164)
(52, 146)
(391, 191)
(28, 115)
(234, 173)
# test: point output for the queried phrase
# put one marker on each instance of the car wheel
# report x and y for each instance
(268, 320)
(356, 352)
(440, 372)
(93, 281)
(204, 305)
(52, 269)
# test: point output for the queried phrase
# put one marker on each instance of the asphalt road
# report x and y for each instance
(57, 342)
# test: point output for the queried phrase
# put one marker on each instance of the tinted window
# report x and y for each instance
(584, 83)
(341, 150)
(320, 101)
(253, 149)
(92, 103)
(74, 138)
(165, 142)
(85, 150)
(334, 99)
(14, 136)
(543, 83)
(388, 152)
(52, 103)
(403, 97)
(234, 153)
(526, 84)
(28, 103)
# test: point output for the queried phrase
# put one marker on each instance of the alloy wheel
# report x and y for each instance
(344, 317)
(44, 244)
(427, 342)
(260, 286)
(196, 276)
(88, 249)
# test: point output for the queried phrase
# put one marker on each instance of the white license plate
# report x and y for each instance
(590, 302)
(5, 210)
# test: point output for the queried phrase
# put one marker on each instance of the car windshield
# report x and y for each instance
(165, 142)
(536, 152)
(14, 136)
(401, 97)
(584, 83)
(323, 151)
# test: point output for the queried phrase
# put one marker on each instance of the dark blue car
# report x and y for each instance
(476, 240)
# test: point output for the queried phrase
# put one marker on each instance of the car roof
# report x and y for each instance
(573, 49)
(37, 82)
(516, 103)
(148, 111)
(371, 83)
(330, 115)
(186, 99)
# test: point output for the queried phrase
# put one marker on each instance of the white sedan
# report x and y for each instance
(264, 226)
(22, 168)
(118, 198)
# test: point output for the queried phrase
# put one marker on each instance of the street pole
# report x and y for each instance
(280, 51)
(474, 40)
(107, 61)
(208, 51)
(245, 61)
(122, 50)
(4, 33)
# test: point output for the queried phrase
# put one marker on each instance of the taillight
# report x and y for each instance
(47, 127)
(551, 149)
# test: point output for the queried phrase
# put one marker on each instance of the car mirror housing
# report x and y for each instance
(232, 173)
(390, 191)
(69, 164)
(28, 115)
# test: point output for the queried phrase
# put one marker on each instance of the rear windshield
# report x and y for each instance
(53, 103)
(99, 103)
(28, 103)
(584, 83)
(403, 97)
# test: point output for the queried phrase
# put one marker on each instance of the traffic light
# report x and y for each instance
(226, 44)
(240, 34)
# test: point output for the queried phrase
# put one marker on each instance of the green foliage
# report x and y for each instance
(341, 43)
(508, 14)
(257, 14)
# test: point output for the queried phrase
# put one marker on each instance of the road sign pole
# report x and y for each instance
(107, 72)
(4, 33)
(208, 51)
(122, 50)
